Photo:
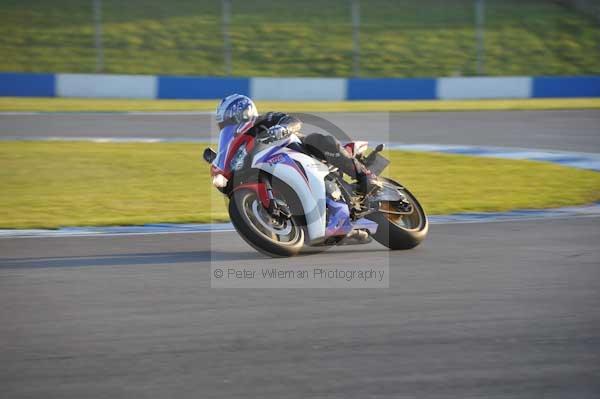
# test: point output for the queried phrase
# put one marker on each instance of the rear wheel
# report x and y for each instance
(275, 237)
(398, 228)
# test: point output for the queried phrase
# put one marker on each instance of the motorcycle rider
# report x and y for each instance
(240, 110)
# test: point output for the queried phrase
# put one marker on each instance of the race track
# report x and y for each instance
(554, 130)
(504, 309)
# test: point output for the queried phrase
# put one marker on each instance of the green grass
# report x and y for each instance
(299, 38)
(52, 184)
(20, 104)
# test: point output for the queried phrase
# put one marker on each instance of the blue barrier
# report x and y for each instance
(568, 86)
(391, 89)
(198, 87)
(27, 84)
(192, 87)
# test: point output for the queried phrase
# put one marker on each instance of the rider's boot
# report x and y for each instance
(329, 148)
(367, 181)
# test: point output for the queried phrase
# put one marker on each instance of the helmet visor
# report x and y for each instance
(238, 114)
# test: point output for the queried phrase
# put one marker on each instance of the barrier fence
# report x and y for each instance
(326, 89)
(286, 38)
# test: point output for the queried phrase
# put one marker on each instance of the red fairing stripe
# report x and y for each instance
(250, 144)
(260, 189)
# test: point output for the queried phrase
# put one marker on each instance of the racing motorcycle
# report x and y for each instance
(282, 197)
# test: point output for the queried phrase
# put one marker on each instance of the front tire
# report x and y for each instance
(266, 235)
(399, 232)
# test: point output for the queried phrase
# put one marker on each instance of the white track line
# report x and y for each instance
(462, 218)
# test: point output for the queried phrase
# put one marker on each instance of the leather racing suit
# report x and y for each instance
(276, 125)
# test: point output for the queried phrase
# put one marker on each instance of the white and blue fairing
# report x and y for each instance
(304, 174)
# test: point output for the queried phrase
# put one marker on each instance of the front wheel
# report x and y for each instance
(276, 238)
(397, 229)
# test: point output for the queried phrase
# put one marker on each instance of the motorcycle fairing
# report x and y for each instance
(230, 139)
(226, 137)
(305, 175)
(338, 218)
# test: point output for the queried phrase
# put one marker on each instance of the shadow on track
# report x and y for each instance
(157, 258)
(127, 259)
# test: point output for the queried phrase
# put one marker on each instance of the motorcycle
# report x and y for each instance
(283, 198)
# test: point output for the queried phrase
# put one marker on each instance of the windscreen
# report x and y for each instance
(225, 138)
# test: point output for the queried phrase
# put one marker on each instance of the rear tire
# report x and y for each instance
(401, 232)
(258, 229)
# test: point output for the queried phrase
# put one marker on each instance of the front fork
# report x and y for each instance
(277, 208)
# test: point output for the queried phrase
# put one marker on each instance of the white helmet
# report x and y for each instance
(236, 109)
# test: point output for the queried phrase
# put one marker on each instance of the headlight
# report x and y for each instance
(219, 181)
(238, 159)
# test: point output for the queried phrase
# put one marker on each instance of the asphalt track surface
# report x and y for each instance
(505, 309)
(558, 130)
(480, 310)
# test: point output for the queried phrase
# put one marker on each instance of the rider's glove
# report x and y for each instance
(275, 133)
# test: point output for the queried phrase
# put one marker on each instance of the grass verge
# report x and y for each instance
(53, 184)
(37, 104)
(300, 38)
